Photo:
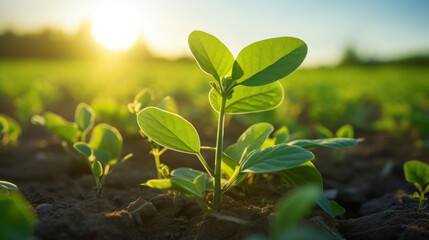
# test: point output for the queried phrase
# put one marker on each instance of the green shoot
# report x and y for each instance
(9, 132)
(418, 173)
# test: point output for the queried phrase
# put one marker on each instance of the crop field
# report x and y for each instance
(217, 146)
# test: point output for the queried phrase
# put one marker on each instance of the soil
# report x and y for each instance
(369, 184)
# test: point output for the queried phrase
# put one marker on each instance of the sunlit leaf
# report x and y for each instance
(191, 175)
(324, 132)
(106, 141)
(211, 54)
(268, 60)
(184, 186)
(301, 175)
(417, 172)
(345, 131)
(250, 140)
(8, 185)
(275, 158)
(84, 117)
(249, 99)
(327, 142)
(169, 130)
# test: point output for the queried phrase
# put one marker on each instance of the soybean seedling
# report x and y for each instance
(68, 132)
(142, 100)
(9, 132)
(418, 173)
(246, 84)
(103, 153)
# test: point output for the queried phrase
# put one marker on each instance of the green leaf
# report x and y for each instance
(228, 165)
(417, 172)
(250, 140)
(327, 142)
(168, 104)
(275, 158)
(212, 55)
(169, 130)
(249, 99)
(58, 126)
(184, 186)
(330, 206)
(8, 185)
(191, 175)
(301, 233)
(324, 132)
(83, 148)
(97, 168)
(292, 208)
(84, 117)
(143, 99)
(268, 60)
(345, 131)
(301, 175)
(200, 183)
(17, 218)
(106, 141)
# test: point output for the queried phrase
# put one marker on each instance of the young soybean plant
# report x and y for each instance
(103, 153)
(345, 131)
(68, 132)
(244, 85)
(142, 100)
(418, 173)
(9, 132)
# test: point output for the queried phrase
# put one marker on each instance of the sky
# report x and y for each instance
(378, 29)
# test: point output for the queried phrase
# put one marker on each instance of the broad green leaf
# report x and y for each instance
(212, 55)
(168, 104)
(324, 132)
(301, 175)
(275, 158)
(417, 172)
(97, 168)
(191, 175)
(292, 208)
(184, 186)
(8, 185)
(250, 140)
(249, 99)
(201, 182)
(330, 206)
(17, 218)
(228, 165)
(169, 130)
(345, 131)
(327, 142)
(106, 141)
(268, 60)
(83, 148)
(84, 117)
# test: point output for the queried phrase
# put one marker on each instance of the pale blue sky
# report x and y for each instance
(383, 29)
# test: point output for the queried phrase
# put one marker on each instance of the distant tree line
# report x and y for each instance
(56, 44)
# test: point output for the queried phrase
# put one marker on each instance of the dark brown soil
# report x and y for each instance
(66, 206)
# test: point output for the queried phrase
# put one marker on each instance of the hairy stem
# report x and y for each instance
(217, 201)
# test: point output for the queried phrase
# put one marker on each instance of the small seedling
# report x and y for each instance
(142, 100)
(68, 132)
(103, 153)
(345, 131)
(244, 85)
(418, 173)
(9, 132)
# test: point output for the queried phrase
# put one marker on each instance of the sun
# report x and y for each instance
(115, 26)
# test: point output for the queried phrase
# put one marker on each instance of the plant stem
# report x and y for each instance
(155, 153)
(217, 201)
(97, 182)
(206, 166)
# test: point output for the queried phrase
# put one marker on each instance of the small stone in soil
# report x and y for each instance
(44, 207)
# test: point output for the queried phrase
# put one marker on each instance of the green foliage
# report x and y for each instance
(417, 172)
(249, 99)
(252, 87)
(84, 117)
(268, 60)
(17, 219)
(103, 152)
(9, 132)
